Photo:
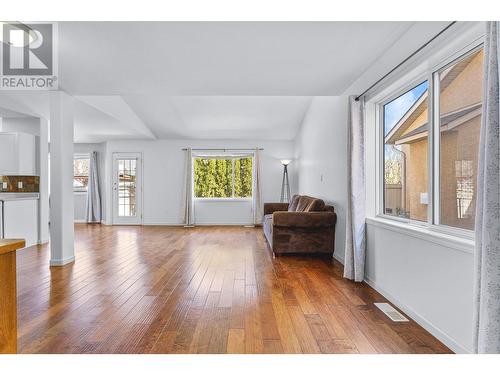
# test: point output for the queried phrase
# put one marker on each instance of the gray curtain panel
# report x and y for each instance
(487, 254)
(187, 193)
(93, 206)
(354, 260)
(257, 201)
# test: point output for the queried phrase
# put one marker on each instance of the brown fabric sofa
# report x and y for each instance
(306, 225)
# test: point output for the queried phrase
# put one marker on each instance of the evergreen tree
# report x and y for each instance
(213, 178)
(237, 178)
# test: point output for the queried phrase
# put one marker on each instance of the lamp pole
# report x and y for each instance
(285, 184)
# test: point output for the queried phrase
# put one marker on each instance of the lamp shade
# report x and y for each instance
(285, 161)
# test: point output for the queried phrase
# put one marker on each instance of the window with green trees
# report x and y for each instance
(218, 177)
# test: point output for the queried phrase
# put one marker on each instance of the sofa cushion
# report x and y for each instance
(308, 220)
(292, 207)
(310, 204)
(316, 205)
(302, 204)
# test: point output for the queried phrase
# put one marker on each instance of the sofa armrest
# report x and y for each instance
(270, 208)
(304, 219)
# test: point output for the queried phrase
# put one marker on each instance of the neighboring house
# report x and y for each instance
(460, 115)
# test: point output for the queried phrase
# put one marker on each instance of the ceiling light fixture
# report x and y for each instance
(17, 42)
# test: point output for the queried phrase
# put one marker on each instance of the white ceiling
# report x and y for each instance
(227, 80)
(221, 117)
(219, 58)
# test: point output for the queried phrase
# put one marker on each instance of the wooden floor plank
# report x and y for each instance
(159, 289)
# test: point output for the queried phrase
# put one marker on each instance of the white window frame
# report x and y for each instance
(77, 156)
(430, 74)
(380, 146)
(232, 157)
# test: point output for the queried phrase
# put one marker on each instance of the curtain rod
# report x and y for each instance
(223, 149)
(405, 60)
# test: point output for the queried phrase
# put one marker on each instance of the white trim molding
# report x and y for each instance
(61, 262)
(424, 233)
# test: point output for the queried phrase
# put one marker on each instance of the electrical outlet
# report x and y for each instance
(4, 186)
(19, 184)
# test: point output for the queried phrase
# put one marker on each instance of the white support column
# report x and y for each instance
(43, 170)
(62, 247)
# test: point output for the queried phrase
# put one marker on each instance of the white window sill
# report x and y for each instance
(223, 199)
(425, 233)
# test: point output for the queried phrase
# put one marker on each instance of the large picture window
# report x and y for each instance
(454, 128)
(222, 177)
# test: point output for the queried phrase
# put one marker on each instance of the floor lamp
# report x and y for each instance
(285, 185)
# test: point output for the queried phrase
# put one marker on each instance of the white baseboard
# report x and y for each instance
(61, 262)
(80, 221)
(166, 224)
(197, 224)
(432, 329)
(222, 224)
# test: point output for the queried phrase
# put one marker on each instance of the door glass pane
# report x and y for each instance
(460, 98)
(406, 154)
(127, 204)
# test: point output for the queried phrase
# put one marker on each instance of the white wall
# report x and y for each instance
(81, 197)
(163, 171)
(432, 282)
(321, 158)
(235, 212)
(430, 277)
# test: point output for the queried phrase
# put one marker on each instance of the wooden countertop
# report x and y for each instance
(6, 246)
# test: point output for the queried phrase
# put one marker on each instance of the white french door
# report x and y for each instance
(127, 188)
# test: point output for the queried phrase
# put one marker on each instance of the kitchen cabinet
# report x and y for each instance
(19, 216)
(17, 154)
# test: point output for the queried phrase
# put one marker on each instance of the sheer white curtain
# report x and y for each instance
(187, 194)
(257, 200)
(487, 255)
(354, 260)
(93, 204)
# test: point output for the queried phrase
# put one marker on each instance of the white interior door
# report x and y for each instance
(127, 188)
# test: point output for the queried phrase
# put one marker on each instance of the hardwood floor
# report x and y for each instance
(198, 290)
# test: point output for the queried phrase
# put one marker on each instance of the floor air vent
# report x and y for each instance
(391, 312)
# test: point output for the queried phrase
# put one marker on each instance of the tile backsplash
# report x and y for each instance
(30, 184)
